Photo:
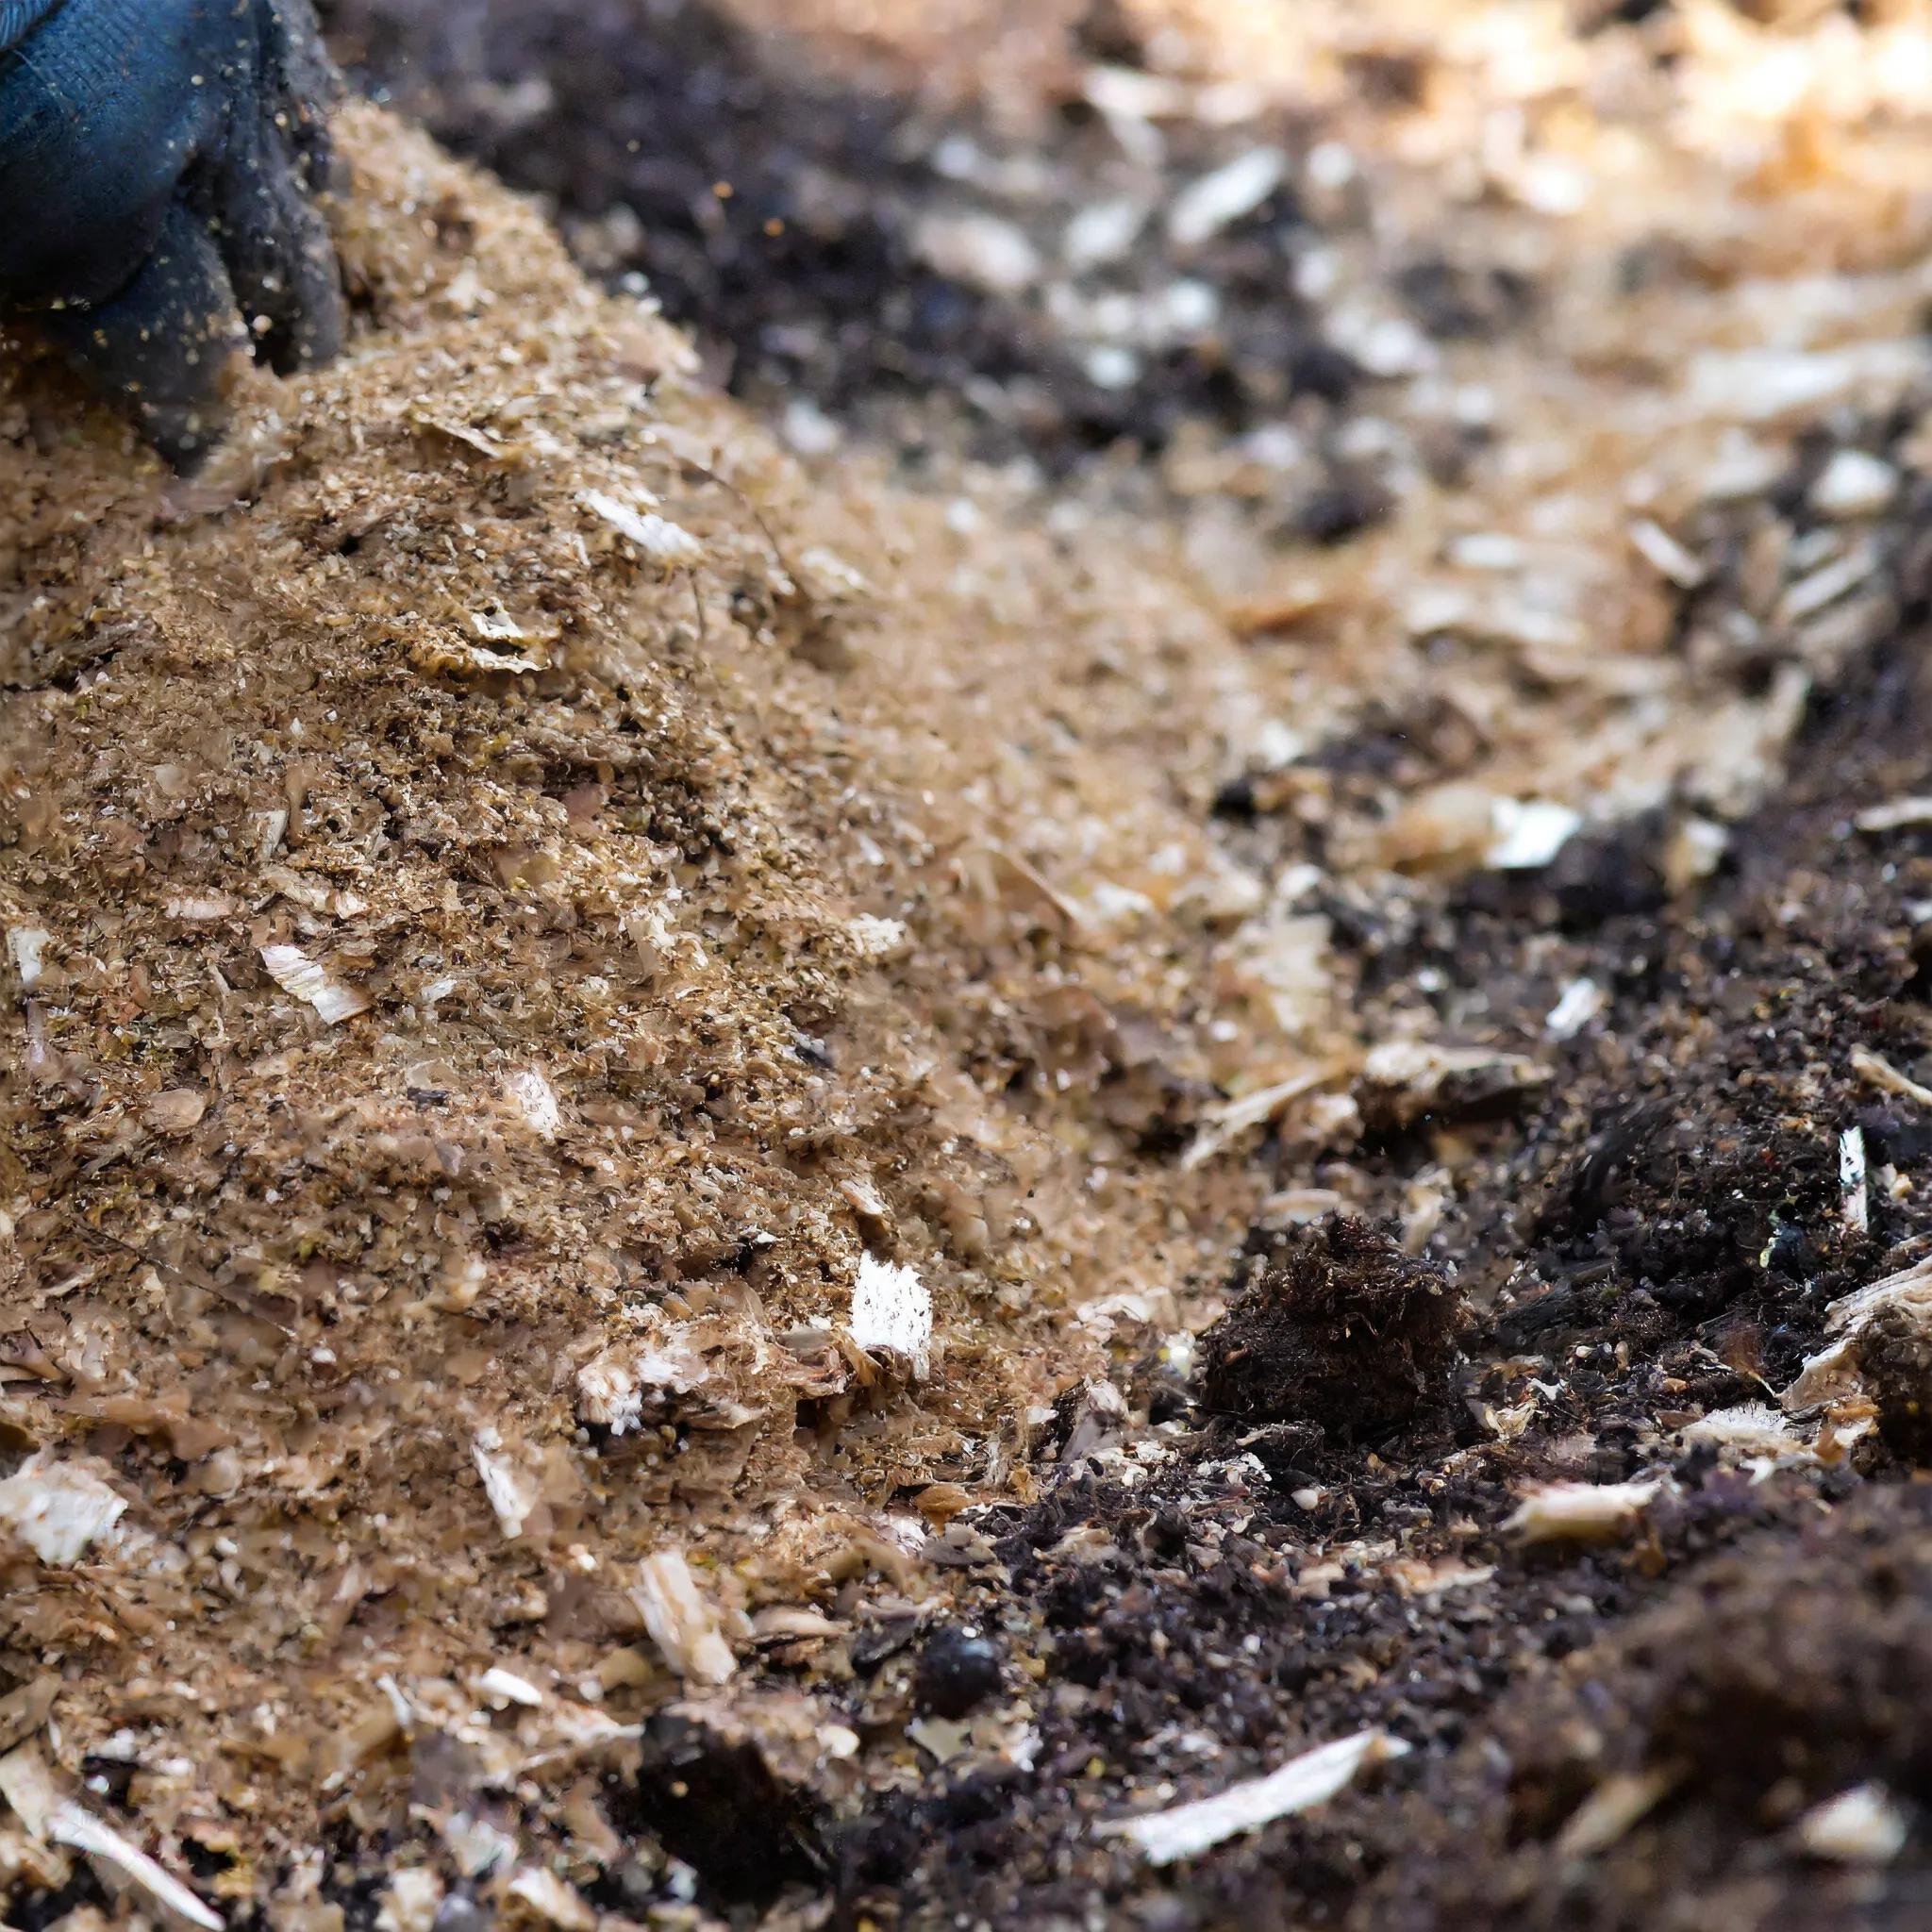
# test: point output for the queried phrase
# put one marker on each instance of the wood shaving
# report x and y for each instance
(294, 971)
(1237, 187)
(500, 1683)
(60, 1509)
(1879, 1072)
(26, 947)
(1581, 1512)
(511, 1488)
(892, 1314)
(663, 542)
(125, 1864)
(1301, 1784)
(410, 1901)
(1895, 815)
(1624, 1800)
(548, 1898)
(682, 1624)
(1864, 1825)
(1910, 1287)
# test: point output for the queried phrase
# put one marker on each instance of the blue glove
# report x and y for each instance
(157, 157)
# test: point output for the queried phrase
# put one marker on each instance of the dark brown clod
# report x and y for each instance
(710, 1797)
(1895, 1353)
(1812, 1661)
(1345, 1331)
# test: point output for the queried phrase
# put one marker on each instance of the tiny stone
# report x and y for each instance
(955, 1672)
(1854, 485)
(459, 1913)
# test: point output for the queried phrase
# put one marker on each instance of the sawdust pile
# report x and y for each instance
(544, 949)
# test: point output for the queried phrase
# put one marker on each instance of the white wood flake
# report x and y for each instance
(73, 1826)
(294, 971)
(660, 540)
(557, 1904)
(1580, 1512)
(892, 1313)
(511, 1490)
(536, 1101)
(1207, 206)
(1861, 1826)
(681, 1622)
(58, 1509)
(1851, 1177)
(1299, 1785)
(25, 945)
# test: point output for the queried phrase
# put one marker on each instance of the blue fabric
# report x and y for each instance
(101, 115)
(203, 121)
(20, 17)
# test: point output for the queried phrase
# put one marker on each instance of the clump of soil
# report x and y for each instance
(1781, 1674)
(1814, 1663)
(1340, 1329)
(711, 1799)
(1895, 1353)
(957, 1670)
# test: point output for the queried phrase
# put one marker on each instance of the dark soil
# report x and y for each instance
(1897, 1365)
(804, 279)
(712, 1801)
(1785, 1671)
(1341, 1329)
(1660, 1240)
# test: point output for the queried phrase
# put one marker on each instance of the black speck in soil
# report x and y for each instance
(1340, 510)
(956, 1671)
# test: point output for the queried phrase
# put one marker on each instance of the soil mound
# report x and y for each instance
(1341, 1329)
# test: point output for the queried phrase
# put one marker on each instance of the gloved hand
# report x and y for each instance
(157, 157)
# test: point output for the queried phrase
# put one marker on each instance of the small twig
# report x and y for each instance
(261, 1306)
(751, 509)
(697, 597)
(731, 488)
(578, 1747)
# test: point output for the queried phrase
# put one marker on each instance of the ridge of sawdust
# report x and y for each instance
(1593, 579)
(677, 972)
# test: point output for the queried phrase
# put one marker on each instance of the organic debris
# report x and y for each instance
(1339, 1328)
(60, 1509)
(706, 1788)
(891, 1314)
(1861, 1826)
(680, 1621)
(1580, 1512)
